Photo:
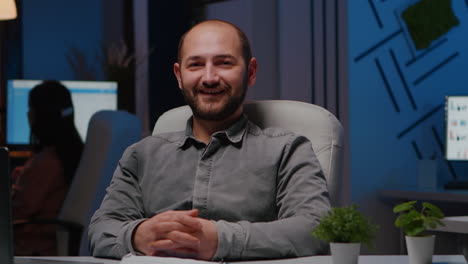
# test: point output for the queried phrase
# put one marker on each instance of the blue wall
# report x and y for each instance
(51, 28)
(396, 97)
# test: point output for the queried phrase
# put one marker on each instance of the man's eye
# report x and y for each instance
(194, 64)
(227, 63)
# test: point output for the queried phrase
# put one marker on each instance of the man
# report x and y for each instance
(222, 189)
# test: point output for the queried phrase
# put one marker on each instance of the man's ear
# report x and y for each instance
(177, 74)
(252, 71)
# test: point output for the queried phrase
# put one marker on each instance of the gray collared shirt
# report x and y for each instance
(264, 189)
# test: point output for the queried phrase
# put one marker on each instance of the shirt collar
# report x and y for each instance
(233, 134)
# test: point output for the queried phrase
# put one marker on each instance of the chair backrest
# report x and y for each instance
(109, 134)
(316, 123)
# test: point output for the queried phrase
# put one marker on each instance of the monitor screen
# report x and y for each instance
(88, 97)
(456, 124)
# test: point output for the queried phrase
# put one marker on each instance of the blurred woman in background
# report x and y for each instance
(40, 186)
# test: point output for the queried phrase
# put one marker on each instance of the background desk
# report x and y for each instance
(439, 195)
(455, 259)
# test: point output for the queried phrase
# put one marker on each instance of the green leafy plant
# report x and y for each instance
(346, 225)
(415, 222)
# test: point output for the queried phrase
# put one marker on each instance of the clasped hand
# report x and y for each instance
(177, 234)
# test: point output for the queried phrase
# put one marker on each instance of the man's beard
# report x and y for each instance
(233, 103)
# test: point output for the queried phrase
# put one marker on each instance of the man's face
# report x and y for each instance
(212, 73)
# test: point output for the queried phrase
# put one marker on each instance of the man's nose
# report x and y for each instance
(210, 77)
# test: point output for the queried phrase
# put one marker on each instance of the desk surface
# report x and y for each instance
(455, 259)
(442, 195)
(455, 224)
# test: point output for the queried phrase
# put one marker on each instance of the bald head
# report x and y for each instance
(220, 25)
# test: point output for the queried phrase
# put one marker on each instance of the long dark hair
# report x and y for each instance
(53, 124)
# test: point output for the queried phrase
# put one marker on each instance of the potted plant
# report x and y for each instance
(414, 223)
(345, 228)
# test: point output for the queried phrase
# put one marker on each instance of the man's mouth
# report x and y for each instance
(211, 92)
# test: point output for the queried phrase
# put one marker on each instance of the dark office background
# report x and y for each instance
(355, 58)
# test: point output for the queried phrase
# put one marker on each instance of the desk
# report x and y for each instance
(20, 154)
(454, 224)
(452, 259)
(440, 195)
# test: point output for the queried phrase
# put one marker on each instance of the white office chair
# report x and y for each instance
(317, 124)
(109, 134)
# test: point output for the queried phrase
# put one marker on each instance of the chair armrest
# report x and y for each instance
(74, 230)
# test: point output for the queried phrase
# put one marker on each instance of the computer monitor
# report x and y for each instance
(456, 135)
(88, 97)
(456, 124)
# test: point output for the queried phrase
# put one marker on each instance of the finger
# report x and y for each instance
(164, 244)
(193, 212)
(187, 218)
(174, 226)
(167, 244)
(184, 239)
(175, 239)
(172, 213)
(189, 221)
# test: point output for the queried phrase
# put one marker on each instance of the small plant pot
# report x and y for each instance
(345, 253)
(420, 249)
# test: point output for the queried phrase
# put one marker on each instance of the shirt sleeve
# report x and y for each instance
(111, 227)
(302, 199)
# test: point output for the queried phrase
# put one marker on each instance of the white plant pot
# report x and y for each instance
(345, 253)
(420, 249)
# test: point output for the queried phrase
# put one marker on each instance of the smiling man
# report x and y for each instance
(223, 188)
